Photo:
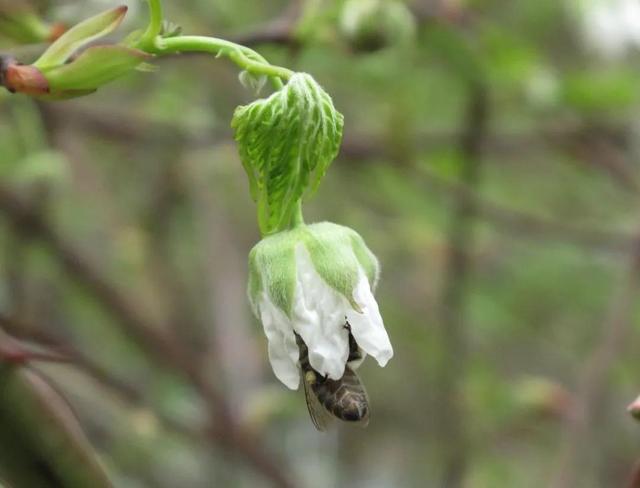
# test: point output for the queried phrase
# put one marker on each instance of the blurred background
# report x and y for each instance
(490, 160)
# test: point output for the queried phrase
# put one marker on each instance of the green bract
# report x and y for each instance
(286, 143)
(337, 254)
(96, 66)
(79, 36)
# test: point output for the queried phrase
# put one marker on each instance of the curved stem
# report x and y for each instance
(155, 25)
(242, 56)
(249, 60)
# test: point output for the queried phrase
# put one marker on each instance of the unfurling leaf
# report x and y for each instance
(96, 66)
(79, 36)
(286, 143)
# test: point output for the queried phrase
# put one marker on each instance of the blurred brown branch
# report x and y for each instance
(15, 352)
(593, 382)
(634, 479)
(125, 127)
(159, 346)
(451, 426)
(124, 390)
(280, 30)
(528, 225)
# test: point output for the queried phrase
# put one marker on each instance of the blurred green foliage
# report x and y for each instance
(144, 180)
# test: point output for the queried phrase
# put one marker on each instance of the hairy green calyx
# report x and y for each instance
(337, 254)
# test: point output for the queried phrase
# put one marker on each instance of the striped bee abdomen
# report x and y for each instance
(345, 399)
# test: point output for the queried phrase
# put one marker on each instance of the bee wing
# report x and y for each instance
(319, 416)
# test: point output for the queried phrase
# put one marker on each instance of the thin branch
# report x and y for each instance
(15, 352)
(523, 224)
(124, 390)
(126, 127)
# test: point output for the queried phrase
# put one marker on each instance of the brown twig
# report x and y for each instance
(15, 352)
(124, 390)
(159, 346)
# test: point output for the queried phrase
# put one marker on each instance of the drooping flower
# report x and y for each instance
(316, 281)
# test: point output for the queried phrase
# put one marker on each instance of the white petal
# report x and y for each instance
(319, 316)
(283, 350)
(367, 327)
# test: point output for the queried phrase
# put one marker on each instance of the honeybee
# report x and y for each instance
(345, 399)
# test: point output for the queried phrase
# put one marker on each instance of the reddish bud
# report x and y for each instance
(25, 79)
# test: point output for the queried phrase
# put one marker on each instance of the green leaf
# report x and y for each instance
(286, 143)
(80, 35)
(95, 67)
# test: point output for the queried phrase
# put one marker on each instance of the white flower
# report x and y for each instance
(317, 281)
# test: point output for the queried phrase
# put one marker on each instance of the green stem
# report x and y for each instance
(242, 56)
(246, 58)
(155, 25)
(297, 219)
